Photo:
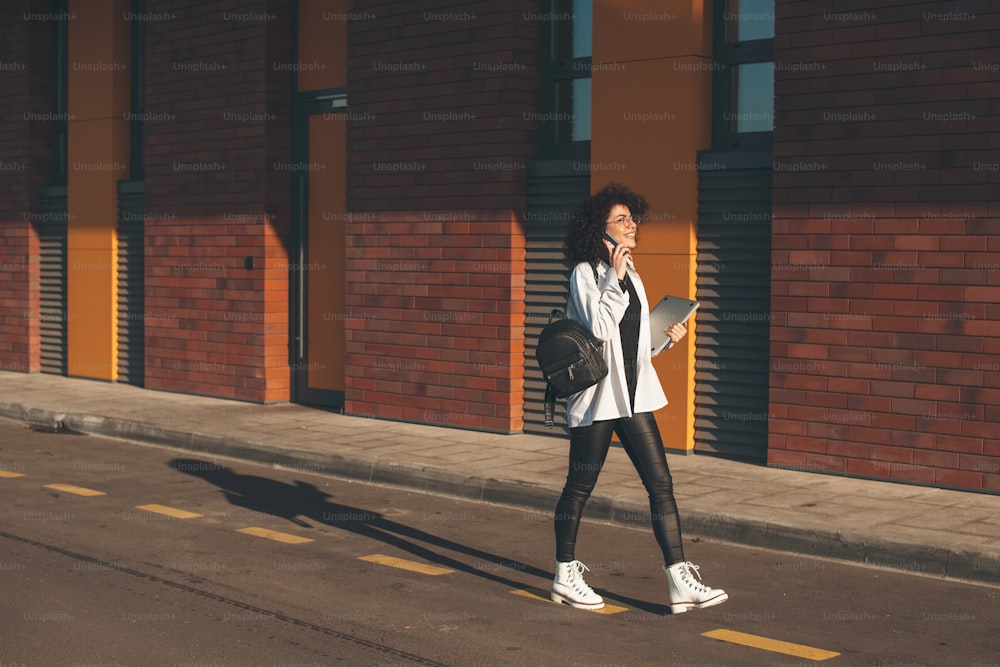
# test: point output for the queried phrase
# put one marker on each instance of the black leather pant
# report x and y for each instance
(587, 451)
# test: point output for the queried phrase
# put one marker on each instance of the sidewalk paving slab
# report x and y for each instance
(916, 529)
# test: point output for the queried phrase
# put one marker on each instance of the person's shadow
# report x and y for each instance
(300, 501)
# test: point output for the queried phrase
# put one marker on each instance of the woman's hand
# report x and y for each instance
(676, 332)
(619, 258)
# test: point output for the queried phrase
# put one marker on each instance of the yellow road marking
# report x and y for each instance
(403, 564)
(10, 473)
(287, 538)
(78, 490)
(169, 511)
(539, 594)
(775, 645)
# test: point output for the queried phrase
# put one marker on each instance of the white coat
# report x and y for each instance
(600, 305)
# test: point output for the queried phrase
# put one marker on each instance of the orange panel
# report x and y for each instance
(627, 30)
(99, 57)
(323, 43)
(649, 119)
(99, 43)
(97, 160)
(649, 136)
(91, 317)
(325, 252)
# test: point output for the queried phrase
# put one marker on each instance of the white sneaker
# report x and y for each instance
(687, 591)
(568, 587)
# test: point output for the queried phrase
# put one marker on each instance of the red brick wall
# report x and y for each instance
(25, 164)
(886, 279)
(436, 185)
(218, 190)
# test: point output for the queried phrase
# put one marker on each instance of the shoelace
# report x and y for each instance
(576, 577)
(694, 582)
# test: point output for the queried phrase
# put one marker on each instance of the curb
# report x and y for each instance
(967, 565)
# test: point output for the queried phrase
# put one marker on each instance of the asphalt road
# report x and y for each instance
(173, 564)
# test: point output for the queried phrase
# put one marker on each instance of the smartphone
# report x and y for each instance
(610, 239)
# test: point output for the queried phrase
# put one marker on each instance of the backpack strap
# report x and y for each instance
(550, 406)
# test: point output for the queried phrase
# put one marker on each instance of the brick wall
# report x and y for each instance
(218, 92)
(436, 186)
(25, 163)
(886, 279)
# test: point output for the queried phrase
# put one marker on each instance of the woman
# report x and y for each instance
(606, 295)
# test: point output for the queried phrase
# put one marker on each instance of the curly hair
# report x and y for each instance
(585, 237)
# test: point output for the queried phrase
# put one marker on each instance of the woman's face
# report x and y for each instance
(620, 226)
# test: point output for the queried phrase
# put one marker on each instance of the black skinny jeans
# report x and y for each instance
(588, 449)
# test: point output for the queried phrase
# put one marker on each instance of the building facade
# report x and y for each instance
(360, 206)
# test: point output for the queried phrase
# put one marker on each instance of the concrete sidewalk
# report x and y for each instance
(911, 528)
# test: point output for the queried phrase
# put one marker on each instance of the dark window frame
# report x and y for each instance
(727, 56)
(555, 71)
(137, 103)
(60, 92)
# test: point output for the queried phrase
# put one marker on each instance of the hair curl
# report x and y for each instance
(585, 237)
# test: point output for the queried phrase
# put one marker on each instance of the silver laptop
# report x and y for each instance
(670, 310)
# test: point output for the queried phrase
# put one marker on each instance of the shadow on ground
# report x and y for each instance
(302, 503)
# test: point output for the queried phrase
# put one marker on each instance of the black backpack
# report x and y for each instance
(571, 359)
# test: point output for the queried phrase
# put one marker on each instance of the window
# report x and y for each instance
(743, 95)
(566, 66)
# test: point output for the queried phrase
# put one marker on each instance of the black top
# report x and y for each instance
(628, 328)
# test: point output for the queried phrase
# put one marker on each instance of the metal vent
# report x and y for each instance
(555, 187)
(131, 283)
(734, 288)
(52, 270)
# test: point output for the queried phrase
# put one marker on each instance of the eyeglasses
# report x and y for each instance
(622, 219)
